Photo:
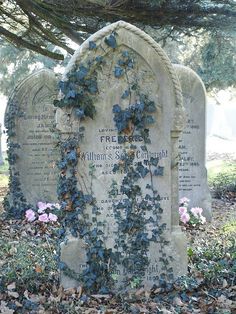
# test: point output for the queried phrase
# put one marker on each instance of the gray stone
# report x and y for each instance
(1, 158)
(192, 143)
(29, 118)
(103, 147)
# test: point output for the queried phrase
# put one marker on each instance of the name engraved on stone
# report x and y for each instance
(37, 153)
(103, 148)
(192, 170)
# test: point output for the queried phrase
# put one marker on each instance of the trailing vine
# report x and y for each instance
(131, 212)
(14, 202)
(138, 213)
(78, 94)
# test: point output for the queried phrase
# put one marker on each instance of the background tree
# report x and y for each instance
(191, 25)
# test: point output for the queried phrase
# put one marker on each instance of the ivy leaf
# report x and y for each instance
(92, 45)
(154, 161)
(99, 59)
(81, 74)
(111, 41)
(92, 87)
(121, 62)
(149, 120)
(151, 107)
(88, 198)
(82, 129)
(79, 113)
(118, 71)
(71, 94)
(125, 53)
(130, 64)
(90, 110)
(62, 164)
(116, 109)
(61, 266)
(143, 171)
(125, 94)
(71, 156)
(139, 106)
(134, 86)
(62, 86)
(159, 171)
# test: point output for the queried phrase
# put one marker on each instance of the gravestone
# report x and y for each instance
(32, 151)
(1, 158)
(192, 142)
(119, 173)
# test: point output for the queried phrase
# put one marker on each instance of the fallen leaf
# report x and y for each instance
(13, 294)
(177, 301)
(11, 286)
(225, 283)
(4, 309)
(38, 269)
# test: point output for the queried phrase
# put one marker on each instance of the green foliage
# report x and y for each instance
(216, 260)
(14, 203)
(130, 212)
(229, 227)
(31, 265)
(218, 62)
(224, 181)
(17, 63)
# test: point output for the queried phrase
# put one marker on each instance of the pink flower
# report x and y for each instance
(182, 210)
(184, 200)
(52, 217)
(43, 218)
(196, 211)
(30, 215)
(185, 218)
(41, 207)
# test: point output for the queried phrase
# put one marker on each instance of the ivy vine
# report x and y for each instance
(14, 202)
(132, 211)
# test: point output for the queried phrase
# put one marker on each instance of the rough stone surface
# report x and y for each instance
(1, 158)
(100, 148)
(30, 114)
(192, 142)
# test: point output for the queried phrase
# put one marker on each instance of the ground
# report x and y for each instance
(29, 280)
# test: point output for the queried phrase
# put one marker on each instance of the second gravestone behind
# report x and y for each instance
(120, 121)
(192, 143)
(32, 152)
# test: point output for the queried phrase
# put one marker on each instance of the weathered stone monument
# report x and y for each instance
(32, 152)
(1, 158)
(120, 115)
(192, 142)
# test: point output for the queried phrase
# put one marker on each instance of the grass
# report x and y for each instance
(29, 264)
(229, 227)
(222, 178)
(220, 166)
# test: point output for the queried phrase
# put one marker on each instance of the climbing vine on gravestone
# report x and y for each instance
(15, 203)
(78, 94)
(131, 212)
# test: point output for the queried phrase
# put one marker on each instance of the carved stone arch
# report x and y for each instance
(157, 79)
(29, 119)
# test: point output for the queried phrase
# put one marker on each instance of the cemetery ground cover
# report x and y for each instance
(29, 281)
